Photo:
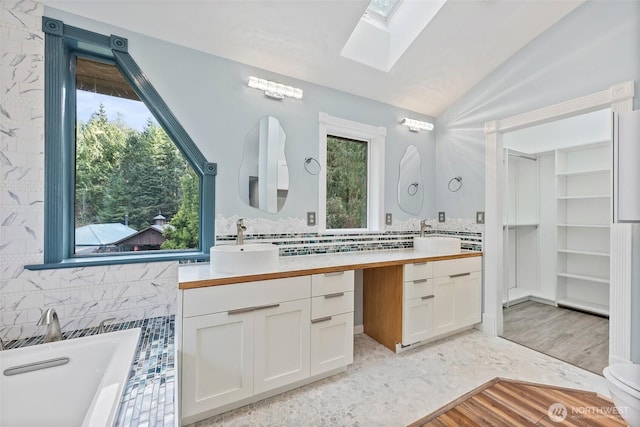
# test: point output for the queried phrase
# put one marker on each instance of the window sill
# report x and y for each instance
(120, 259)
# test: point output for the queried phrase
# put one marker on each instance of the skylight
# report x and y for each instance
(382, 10)
(379, 41)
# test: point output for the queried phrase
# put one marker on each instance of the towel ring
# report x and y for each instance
(312, 166)
(412, 189)
(455, 186)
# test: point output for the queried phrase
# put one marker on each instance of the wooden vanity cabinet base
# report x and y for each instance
(382, 301)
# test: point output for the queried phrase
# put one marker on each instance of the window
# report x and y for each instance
(123, 180)
(351, 177)
(133, 187)
(347, 182)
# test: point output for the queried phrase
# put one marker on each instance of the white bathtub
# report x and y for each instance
(83, 391)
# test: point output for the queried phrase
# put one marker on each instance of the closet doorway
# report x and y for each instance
(556, 238)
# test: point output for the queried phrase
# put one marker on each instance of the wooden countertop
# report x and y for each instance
(192, 276)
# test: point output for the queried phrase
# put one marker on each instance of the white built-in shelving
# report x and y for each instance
(583, 196)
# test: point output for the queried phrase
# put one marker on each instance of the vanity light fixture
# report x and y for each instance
(274, 90)
(416, 125)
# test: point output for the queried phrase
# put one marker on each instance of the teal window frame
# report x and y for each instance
(62, 44)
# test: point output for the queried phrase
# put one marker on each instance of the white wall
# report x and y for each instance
(591, 49)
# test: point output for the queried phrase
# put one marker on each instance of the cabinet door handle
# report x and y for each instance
(419, 281)
(459, 275)
(262, 307)
(428, 297)
(335, 273)
(322, 319)
(420, 263)
(241, 310)
(338, 294)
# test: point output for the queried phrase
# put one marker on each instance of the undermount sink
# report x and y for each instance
(437, 244)
(245, 258)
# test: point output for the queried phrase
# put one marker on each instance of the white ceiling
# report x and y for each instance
(465, 41)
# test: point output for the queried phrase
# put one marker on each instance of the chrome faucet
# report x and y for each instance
(241, 228)
(424, 226)
(102, 326)
(50, 318)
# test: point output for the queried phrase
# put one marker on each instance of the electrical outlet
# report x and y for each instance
(480, 217)
(389, 219)
(441, 217)
(311, 219)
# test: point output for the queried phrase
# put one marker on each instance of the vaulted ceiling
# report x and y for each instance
(464, 42)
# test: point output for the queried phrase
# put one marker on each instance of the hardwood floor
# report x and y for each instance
(503, 402)
(578, 338)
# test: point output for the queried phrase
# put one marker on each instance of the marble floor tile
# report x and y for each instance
(385, 389)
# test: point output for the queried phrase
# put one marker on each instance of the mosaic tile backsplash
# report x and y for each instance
(307, 243)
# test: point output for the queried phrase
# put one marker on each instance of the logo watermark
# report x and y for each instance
(558, 412)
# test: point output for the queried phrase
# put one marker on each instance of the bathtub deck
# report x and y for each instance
(148, 395)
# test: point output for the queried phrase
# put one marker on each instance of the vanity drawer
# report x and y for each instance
(215, 299)
(417, 271)
(330, 283)
(331, 304)
(457, 266)
(418, 288)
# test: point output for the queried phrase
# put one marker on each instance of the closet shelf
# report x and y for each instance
(584, 277)
(578, 252)
(583, 172)
(585, 306)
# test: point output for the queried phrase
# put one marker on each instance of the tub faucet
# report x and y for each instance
(50, 318)
(424, 226)
(241, 228)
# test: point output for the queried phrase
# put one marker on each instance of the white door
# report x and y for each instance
(444, 305)
(468, 299)
(217, 361)
(282, 344)
(417, 322)
(331, 343)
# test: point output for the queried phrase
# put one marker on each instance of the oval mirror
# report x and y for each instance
(410, 185)
(264, 176)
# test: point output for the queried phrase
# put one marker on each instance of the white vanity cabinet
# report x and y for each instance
(458, 294)
(331, 321)
(256, 340)
(244, 342)
(281, 345)
(418, 302)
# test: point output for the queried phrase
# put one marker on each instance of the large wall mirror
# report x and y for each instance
(410, 185)
(264, 176)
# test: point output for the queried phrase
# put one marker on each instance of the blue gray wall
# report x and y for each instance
(210, 98)
(591, 49)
